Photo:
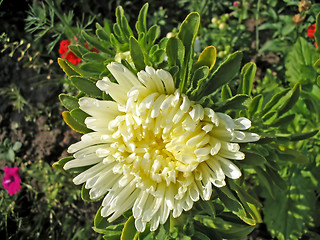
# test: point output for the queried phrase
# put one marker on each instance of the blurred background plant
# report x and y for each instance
(271, 33)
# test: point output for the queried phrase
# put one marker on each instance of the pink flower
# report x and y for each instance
(236, 4)
(11, 180)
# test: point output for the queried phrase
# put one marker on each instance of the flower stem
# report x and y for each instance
(257, 23)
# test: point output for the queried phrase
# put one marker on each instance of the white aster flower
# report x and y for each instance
(153, 150)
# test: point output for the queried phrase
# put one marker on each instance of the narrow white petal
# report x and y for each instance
(230, 169)
(90, 160)
(167, 80)
(118, 93)
(124, 77)
(242, 123)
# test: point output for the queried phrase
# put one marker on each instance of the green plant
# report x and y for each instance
(271, 168)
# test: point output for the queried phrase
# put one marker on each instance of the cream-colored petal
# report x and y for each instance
(124, 77)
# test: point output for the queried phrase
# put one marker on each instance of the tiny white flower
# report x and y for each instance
(153, 150)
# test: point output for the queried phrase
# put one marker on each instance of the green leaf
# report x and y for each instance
(226, 229)
(75, 125)
(255, 105)
(253, 159)
(102, 33)
(302, 136)
(200, 236)
(224, 73)
(96, 57)
(87, 86)
(265, 179)
(99, 221)
(187, 34)
(233, 204)
(129, 230)
(78, 50)
(226, 92)
(158, 56)
(69, 102)
(79, 115)
(274, 101)
(16, 146)
(299, 63)
(248, 73)
(152, 34)
(175, 52)
(59, 165)
(283, 121)
(136, 54)
(122, 24)
(288, 215)
(290, 155)
(93, 68)
(276, 178)
(237, 102)
(291, 101)
(94, 42)
(197, 78)
(207, 58)
(85, 194)
(141, 24)
(248, 202)
(69, 68)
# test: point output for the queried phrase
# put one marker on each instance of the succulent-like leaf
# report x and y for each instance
(75, 125)
(187, 34)
(207, 58)
(129, 231)
(62, 162)
(69, 102)
(137, 54)
(248, 73)
(87, 86)
(224, 73)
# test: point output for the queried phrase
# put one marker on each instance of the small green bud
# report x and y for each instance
(223, 26)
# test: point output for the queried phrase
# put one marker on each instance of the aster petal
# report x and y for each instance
(81, 162)
(167, 80)
(99, 108)
(242, 123)
(227, 120)
(124, 77)
(84, 176)
(245, 137)
(230, 169)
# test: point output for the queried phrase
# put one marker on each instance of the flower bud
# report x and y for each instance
(304, 5)
(298, 19)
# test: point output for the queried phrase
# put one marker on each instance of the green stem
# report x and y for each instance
(257, 23)
(62, 19)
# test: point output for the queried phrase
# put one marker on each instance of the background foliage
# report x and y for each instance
(283, 105)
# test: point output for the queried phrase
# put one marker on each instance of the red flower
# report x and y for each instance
(11, 180)
(65, 53)
(71, 57)
(310, 31)
(92, 49)
(64, 46)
